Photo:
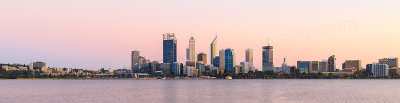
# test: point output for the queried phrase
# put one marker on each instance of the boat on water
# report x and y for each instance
(228, 77)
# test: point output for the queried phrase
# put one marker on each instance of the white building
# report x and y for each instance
(379, 70)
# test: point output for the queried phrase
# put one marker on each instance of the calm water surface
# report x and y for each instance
(199, 91)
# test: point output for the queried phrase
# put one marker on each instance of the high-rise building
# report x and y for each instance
(304, 66)
(379, 70)
(191, 51)
(352, 64)
(249, 56)
(391, 62)
(230, 61)
(176, 69)
(323, 66)
(267, 58)
(169, 48)
(202, 57)
(216, 61)
(213, 49)
(222, 60)
(134, 58)
(314, 67)
(286, 65)
(331, 63)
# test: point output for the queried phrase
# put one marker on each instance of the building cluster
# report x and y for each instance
(42, 69)
(224, 62)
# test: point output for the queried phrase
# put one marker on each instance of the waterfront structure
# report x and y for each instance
(267, 58)
(249, 56)
(202, 57)
(230, 61)
(213, 50)
(222, 60)
(314, 67)
(323, 66)
(191, 51)
(352, 64)
(169, 48)
(134, 58)
(379, 69)
(331, 63)
(166, 68)
(304, 66)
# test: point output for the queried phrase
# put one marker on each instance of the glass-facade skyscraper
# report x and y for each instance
(268, 58)
(213, 49)
(169, 48)
(230, 61)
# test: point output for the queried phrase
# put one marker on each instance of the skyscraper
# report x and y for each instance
(169, 48)
(249, 56)
(134, 57)
(230, 61)
(222, 59)
(331, 63)
(213, 49)
(191, 50)
(267, 58)
(202, 57)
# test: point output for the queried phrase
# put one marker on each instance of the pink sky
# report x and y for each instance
(101, 33)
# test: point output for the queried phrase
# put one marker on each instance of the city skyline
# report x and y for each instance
(85, 37)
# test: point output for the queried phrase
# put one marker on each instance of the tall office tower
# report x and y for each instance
(352, 64)
(222, 59)
(213, 49)
(331, 63)
(379, 70)
(391, 62)
(202, 57)
(249, 56)
(134, 58)
(267, 58)
(314, 67)
(192, 49)
(230, 61)
(323, 66)
(169, 48)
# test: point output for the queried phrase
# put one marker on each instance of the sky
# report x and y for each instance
(94, 34)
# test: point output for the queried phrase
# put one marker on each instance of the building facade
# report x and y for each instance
(267, 58)
(169, 48)
(304, 66)
(230, 61)
(249, 56)
(213, 50)
(202, 57)
(323, 66)
(331, 63)
(352, 64)
(191, 51)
